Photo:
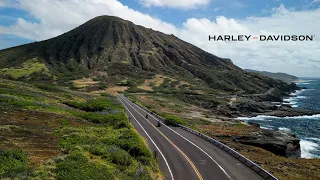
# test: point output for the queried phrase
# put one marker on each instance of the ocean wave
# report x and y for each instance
(307, 149)
(293, 101)
(267, 127)
(263, 127)
(284, 129)
(270, 118)
(301, 97)
(314, 139)
(257, 118)
(298, 92)
(304, 81)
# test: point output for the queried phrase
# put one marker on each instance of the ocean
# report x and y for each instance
(307, 128)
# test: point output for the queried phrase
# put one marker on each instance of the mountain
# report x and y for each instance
(281, 76)
(114, 51)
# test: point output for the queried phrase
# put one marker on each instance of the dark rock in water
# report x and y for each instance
(286, 105)
(280, 143)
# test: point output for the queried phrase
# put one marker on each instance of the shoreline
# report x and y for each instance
(288, 109)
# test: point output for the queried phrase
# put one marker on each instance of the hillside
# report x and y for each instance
(280, 76)
(115, 51)
(50, 132)
(58, 110)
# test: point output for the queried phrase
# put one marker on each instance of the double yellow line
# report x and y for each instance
(175, 146)
(185, 156)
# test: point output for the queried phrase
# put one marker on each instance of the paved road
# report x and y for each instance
(182, 155)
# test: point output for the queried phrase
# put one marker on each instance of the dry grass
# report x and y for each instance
(176, 108)
(32, 132)
(84, 82)
(156, 81)
(112, 90)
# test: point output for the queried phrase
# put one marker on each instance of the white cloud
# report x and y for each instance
(299, 58)
(2, 4)
(182, 4)
(59, 16)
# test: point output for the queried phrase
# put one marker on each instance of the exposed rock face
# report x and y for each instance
(279, 143)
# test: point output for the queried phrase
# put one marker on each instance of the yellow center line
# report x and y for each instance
(175, 146)
(187, 158)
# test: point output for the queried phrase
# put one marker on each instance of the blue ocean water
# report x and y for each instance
(307, 128)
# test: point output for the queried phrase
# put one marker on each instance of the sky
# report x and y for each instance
(25, 21)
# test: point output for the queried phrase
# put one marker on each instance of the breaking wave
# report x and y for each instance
(308, 149)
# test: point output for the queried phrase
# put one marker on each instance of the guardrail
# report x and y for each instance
(259, 170)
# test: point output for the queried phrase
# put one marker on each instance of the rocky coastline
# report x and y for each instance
(269, 104)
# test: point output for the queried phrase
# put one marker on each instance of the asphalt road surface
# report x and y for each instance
(183, 155)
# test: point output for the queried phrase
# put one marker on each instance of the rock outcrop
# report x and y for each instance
(280, 143)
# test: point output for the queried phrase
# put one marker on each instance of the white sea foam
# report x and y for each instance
(314, 139)
(293, 101)
(263, 127)
(307, 147)
(269, 118)
(284, 129)
(267, 127)
(257, 118)
(303, 81)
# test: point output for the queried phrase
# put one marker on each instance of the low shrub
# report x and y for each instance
(16, 102)
(94, 105)
(77, 166)
(122, 150)
(115, 120)
(12, 163)
(173, 121)
(48, 87)
(102, 86)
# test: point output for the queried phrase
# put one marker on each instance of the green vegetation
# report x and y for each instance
(48, 115)
(48, 87)
(115, 151)
(90, 136)
(78, 166)
(241, 124)
(12, 163)
(103, 85)
(98, 104)
(173, 121)
(27, 69)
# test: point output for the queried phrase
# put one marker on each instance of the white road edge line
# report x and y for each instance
(224, 171)
(165, 160)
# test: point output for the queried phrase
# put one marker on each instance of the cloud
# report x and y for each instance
(59, 16)
(181, 4)
(4, 3)
(299, 58)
